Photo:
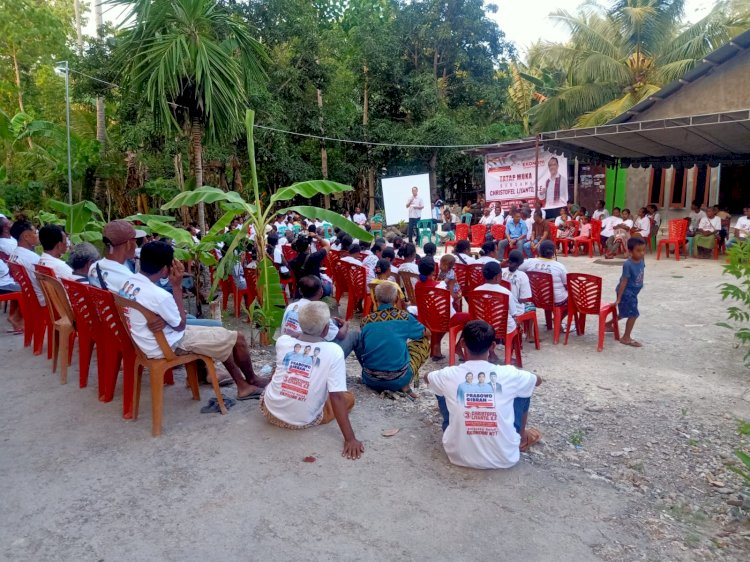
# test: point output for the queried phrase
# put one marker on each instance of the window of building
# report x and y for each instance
(679, 188)
(701, 184)
(656, 188)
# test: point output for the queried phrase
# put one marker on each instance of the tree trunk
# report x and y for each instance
(18, 80)
(79, 35)
(433, 176)
(179, 175)
(100, 185)
(323, 151)
(196, 134)
(370, 177)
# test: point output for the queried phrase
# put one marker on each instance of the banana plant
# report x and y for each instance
(83, 221)
(258, 215)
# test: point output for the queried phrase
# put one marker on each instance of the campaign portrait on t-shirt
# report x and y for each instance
(296, 352)
(475, 393)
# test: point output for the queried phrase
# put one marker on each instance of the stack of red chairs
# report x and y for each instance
(493, 307)
(585, 297)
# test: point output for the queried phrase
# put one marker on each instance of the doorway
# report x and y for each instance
(734, 193)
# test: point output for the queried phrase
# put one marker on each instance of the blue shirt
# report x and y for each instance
(633, 272)
(383, 342)
(517, 230)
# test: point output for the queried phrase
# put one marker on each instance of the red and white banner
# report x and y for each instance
(509, 178)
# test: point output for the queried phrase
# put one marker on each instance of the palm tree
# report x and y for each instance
(618, 57)
(193, 61)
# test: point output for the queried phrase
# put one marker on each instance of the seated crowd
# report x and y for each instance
(484, 403)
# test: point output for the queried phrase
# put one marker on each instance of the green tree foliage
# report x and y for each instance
(617, 57)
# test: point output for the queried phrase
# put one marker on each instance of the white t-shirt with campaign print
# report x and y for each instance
(305, 373)
(479, 396)
(61, 269)
(142, 290)
(290, 322)
(519, 286)
(29, 259)
(556, 269)
(114, 274)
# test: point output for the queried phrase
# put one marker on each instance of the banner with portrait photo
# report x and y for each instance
(509, 178)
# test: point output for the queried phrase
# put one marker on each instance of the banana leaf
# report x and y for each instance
(208, 194)
(219, 226)
(77, 216)
(308, 189)
(145, 218)
(272, 299)
(181, 236)
(334, 218)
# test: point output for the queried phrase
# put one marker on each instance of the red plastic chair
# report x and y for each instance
(563, 243)
(493, 307)
(337, 273)
(36, 318)
(356, 276)
(475, 276)
(288, 252)
(585, 297)
(119, 350)
(676, 237)
(462, 233)
(462, 276)
(248, 294)
(590, 243)
(90, 331)
(498, 232)
(543, 297)
(433, 306)
(478, 235)
(227, 287)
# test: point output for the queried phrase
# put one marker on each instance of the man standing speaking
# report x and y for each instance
(415, 206)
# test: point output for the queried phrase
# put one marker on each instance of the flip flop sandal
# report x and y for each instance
(252, 396)
(632, 343)
(533, 436)
(437, 357)
(14, 332)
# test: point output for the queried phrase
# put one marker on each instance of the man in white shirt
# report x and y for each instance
(695, 216)
(311, 290)
(371, 261)
(229, 347)
(554, 193)
(353, 255)
(488, 253)
(359, 217)
(485, 407)
(111, 271)
(7, 242)
(415, 206)
(493, 274)
(609, 224)
(600, 213)
(308, 387)
(499, 217)
(519, 281)
(54, 242)
(487, 217)
(27, 238)
(741, 228)
(547, 263)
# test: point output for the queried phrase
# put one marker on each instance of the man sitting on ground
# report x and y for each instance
(485, 407)
(229, 347)
(393, 345)
(311, 290)
(309, 389)
(54, 242)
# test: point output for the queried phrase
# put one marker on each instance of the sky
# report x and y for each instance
(522, 21)
(525, 21)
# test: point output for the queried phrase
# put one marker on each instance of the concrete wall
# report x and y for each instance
(727, 88)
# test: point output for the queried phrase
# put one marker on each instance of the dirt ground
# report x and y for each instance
(633, 464)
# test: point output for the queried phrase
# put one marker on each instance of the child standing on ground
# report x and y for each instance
(630, 285)
(448, 275)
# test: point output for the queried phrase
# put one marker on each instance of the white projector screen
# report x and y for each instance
(397, 192)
